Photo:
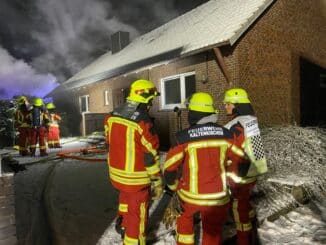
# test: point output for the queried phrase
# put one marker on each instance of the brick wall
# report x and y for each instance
(269, 57)
(96, 92)
(209, 78)
(264, 61)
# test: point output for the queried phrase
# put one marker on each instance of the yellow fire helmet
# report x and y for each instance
(142, 91)
(236, 96)
(202, 102)
(37, 102)
(21, 100)
(50, 106)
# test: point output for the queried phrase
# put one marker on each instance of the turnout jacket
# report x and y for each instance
(22, 119)
(133, 157)
(196, 167)
(238, 170)
(54, 119)
(38, 117)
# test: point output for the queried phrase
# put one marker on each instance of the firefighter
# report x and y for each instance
(53, 126)
(39, 120)
(244, 127)
(199, 158)
(22, 124)
(133, 160)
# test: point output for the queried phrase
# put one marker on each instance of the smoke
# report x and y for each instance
(17, 78)
(63, 36)
(77, 32)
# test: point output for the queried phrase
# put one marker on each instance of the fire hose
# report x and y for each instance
(83, 152)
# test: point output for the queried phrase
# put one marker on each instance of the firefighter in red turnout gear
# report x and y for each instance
(196, 169)
(133, 159)
(39, 120)
(242, 179)
(23, 123)
(53, 126)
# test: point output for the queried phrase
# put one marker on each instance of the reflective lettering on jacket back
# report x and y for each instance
(252, 144)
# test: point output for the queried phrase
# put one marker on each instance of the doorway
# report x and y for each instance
(312, 94)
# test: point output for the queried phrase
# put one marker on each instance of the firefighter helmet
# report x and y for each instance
(50, 106)
(202, 102)
(21, 100)
(37, 102)
(236, 96)
(142, 91)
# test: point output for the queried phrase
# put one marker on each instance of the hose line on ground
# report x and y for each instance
(84, 151)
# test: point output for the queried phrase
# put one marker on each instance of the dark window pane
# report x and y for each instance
(83, 104)
(172, 91)
(190, 82)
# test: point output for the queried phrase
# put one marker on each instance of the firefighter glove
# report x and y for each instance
(173, 210)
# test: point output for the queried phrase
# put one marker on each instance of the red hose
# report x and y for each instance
(84, 151)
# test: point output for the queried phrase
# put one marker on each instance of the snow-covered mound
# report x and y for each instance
(297, 166)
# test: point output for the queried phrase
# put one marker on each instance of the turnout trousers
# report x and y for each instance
(53, 137)
(133, 207)
(212, 217)
(24, 140)
(38, 135)
(243, 213)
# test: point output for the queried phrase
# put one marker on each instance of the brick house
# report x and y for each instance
(275, 49)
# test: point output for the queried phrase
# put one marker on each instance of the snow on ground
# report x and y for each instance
(306, 225)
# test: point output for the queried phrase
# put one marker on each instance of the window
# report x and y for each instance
(119, 96)
(176, 89)
(106, 97)
(83, 103)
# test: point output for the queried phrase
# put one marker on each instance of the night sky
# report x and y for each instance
(44, 42)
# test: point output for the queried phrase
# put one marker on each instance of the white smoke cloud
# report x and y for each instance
(18, 78)
(61, 37)
(77, 32)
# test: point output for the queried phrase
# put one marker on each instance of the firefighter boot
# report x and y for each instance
(254, 234)
(33, 152)
(24, 153)
(43, 153)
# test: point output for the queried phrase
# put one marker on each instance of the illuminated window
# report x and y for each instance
(176, 89)
(83, 103)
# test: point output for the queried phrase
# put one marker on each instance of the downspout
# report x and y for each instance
(83, 119)
(83, 124)
(222, 65)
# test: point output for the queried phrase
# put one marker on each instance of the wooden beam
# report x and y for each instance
(222, 65)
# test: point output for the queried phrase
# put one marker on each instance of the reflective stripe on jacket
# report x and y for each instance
(234, 177)
(133, 151)
(22, 119)
(200, 161)
(54, 120)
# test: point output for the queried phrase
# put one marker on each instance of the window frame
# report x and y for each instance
(183, 98)
(87, 103)
(106, 97)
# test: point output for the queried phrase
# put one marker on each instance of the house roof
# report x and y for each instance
(212, 24)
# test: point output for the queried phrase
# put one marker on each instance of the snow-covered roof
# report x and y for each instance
(213, 24)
